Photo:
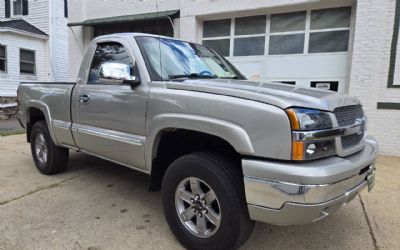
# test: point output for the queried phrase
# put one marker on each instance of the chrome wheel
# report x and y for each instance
(198, 207)
(41, 148)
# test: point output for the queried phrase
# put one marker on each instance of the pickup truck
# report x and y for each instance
(225, 151)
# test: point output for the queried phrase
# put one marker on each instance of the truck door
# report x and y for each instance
(110, 115)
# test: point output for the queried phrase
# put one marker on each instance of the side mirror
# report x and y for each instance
(117, 73)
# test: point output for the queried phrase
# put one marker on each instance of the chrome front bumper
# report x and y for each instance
(289, 193)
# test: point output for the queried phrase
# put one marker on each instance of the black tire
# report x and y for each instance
(226, 181)
(56, 157)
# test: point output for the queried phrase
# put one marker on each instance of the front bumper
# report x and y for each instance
(298, 193)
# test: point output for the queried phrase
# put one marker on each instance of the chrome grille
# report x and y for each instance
(350, 140)
(347, 115)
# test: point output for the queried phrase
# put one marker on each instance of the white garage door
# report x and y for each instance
(306, 48)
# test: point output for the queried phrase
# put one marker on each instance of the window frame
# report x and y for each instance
(23, 61)
(4, 59)
(307, 31)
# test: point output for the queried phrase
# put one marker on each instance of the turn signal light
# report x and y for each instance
(297, 150)
(294, 121)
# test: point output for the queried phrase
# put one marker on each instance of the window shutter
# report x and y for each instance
(66, 8)
(25, 8)
(8, 8)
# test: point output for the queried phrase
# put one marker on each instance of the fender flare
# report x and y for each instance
(230, 132)
(46, 112)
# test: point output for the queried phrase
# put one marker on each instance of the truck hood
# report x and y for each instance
(277, 94)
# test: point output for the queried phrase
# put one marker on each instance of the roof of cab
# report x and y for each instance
(130, 34)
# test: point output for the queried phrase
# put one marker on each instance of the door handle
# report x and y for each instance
(84, 99)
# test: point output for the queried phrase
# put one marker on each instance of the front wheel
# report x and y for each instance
(48, 158)
(204, 202)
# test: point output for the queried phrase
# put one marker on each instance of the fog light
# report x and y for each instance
(311, 149)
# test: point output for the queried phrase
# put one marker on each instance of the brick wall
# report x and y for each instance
(370, 67)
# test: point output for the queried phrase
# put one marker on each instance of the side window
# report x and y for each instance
(110, 52)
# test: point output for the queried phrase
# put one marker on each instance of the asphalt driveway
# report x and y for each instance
(99, 205)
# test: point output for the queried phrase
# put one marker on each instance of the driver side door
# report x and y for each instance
(110, 117)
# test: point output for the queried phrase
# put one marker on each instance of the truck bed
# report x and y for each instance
(46, 96)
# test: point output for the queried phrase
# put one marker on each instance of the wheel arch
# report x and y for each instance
(37, 111)
(204, 131)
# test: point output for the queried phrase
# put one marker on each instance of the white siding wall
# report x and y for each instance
(59, 41)
(10, 80)
(39, 15)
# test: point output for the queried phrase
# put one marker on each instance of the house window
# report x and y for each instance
(249, 38)
(216, 34)
(17, 8)
(330, 30)
(302, 32)
(287, 33)
(27, 62)
(3, 58)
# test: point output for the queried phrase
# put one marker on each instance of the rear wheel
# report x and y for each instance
(204, 202)
(48, 158)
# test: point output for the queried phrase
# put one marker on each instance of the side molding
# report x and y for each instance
(230, 132)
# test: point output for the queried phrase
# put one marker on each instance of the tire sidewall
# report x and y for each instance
(228, 231)
(41, 128)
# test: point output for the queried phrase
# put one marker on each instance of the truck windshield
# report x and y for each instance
(168, 59)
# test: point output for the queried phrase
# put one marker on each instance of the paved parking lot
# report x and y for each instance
(100, 205)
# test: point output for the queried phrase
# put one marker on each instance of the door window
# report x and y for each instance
(110, 52)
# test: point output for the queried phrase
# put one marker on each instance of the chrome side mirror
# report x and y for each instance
(117, 73)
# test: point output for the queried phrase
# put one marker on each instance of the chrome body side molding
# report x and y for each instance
(136, 140)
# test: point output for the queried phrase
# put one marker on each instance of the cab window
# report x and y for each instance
(110, 52)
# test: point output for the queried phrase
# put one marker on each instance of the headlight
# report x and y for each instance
(310, 150)
(309, 119)
(302, 119)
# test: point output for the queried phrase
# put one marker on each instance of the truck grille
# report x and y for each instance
(347, 115)
(351, 140)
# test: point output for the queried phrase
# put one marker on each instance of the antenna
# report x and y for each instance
(159, 39)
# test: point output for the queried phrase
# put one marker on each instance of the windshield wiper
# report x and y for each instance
(192, 76)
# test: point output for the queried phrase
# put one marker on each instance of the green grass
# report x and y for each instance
(15, 132)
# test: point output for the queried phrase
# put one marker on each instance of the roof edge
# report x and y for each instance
(127, 18)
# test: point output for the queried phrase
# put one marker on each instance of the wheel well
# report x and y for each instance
(35, 115)
(175, 143)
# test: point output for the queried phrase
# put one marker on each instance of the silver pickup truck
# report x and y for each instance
(225, 151)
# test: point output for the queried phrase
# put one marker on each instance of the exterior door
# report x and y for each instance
(111, 117)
